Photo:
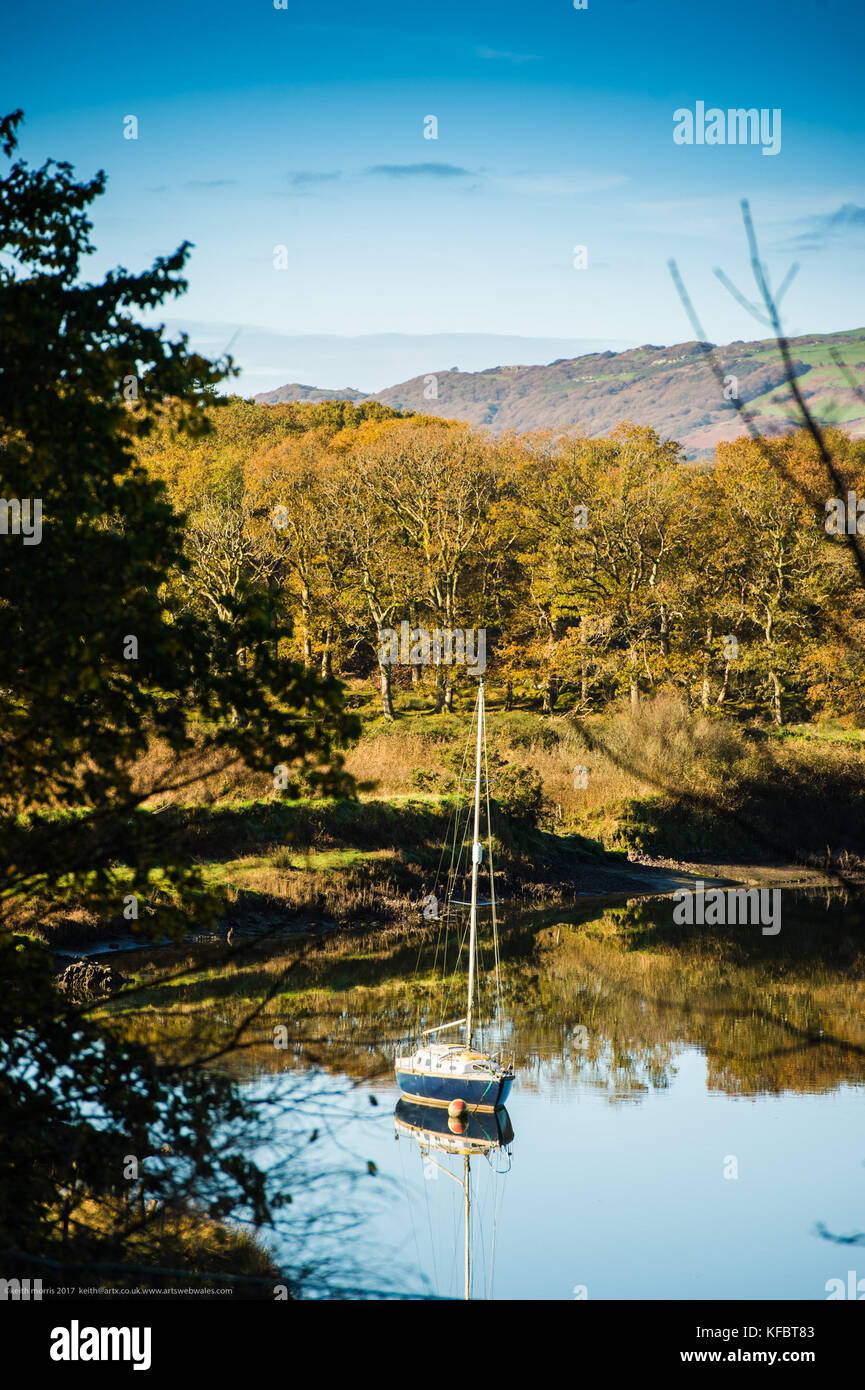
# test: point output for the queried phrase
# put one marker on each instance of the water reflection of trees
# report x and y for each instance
(787, 1021)
(609, 999)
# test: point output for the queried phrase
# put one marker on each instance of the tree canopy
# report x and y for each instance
(98, 654)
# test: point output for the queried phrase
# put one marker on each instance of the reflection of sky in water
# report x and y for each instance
(648, 1059)
(628, 1199)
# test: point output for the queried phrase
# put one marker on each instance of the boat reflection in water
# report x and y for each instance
(478, 1134)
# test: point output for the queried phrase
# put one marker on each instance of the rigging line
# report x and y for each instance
(462, 941)
(452, 870)
(453, 978)
(480, 1220)
(499, 1016)
(485, 1202)
(410, 1206)
(433, 1252)
(457, 858)
(453, 820)
(497, 1203)
(456, 1231)
(460, 839)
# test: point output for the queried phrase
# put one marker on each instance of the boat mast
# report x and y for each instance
(476, 859)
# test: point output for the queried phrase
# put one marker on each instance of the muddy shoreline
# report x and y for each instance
(601, 883)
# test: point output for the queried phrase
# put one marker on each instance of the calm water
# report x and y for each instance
(688, 1111)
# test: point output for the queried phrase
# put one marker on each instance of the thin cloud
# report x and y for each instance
(559, 185)
(498, 55)
(421, 171)
(826, 227)
(849, 215)
(307, 178)
(523, 182)
(210, 183)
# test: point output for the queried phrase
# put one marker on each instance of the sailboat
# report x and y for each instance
(457, 1075)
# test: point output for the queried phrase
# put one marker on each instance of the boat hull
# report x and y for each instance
(481, 1093)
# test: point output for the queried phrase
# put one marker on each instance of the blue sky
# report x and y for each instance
(304, 127)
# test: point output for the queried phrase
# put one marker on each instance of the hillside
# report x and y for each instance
(293, 391)
(669, 388)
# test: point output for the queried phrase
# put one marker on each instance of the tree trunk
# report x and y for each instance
(634, 684)
(777, 691)
(723, 692)
(387, 708)
(774, 678)
(509, 695)
(551, 694)
(707, 655)
(584, 665)
(440, 691)
(416, 671)
(306, 610)
(665, 631)
(242, 663)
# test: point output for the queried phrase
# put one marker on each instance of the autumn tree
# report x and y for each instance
(437, 485)
(94, 663)
(604, 527)
(789, 576)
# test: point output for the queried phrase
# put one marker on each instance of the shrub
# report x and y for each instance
(541, 736)
(422, 780)
(664, 744)
(519, 794)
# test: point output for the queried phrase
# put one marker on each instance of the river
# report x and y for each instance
(687, 1119)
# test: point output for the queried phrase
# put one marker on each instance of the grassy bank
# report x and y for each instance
(661, 782)
(161, 1247)
(573, 800)
(371, 860)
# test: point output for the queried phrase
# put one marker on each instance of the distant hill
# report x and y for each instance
(669, 388)
(295, 392)
(369, 361)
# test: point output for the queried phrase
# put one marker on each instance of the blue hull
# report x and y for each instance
(441, 1090)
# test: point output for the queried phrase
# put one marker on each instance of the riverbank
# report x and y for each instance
(323, 865)
(628, 804)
